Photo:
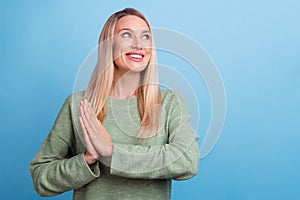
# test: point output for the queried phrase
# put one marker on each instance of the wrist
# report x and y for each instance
(89, 158)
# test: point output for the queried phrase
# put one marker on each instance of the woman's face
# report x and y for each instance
(132, 44)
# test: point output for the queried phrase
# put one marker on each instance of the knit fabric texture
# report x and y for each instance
(138, 169)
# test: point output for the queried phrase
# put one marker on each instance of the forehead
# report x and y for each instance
(131, 22)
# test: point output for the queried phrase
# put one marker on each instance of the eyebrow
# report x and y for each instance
(131, 30)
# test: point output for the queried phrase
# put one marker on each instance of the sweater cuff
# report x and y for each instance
(123, 162)
(117, 163)
(92, 171)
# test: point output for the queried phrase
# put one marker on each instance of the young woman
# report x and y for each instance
(122, 138)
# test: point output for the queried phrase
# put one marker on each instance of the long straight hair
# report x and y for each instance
(101, 83)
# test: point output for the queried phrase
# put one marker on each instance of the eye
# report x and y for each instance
(126, 35)
(146, 37)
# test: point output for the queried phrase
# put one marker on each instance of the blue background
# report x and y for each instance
(255, 45)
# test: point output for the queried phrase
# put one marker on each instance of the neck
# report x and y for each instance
(125, 84)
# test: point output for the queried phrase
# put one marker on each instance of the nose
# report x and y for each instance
(137, 44)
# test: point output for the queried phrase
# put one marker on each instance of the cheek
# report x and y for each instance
(117, 48)
(147, 44)
(116, 51)
(148, 53)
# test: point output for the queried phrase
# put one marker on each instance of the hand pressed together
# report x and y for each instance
(97, 140)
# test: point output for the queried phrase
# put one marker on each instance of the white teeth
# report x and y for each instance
(135, 56)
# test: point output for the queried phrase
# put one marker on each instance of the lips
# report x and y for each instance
(134, 56)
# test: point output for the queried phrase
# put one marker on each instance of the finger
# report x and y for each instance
(94, 123)
(83, 128)
(106, 134)
(98, 130)
(91, 113)
(94, 117)
(90, 116)
(85, 133)
(85, 121)
(88, 144)
(95, 133)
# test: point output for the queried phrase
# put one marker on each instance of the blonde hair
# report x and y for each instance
(100, 85)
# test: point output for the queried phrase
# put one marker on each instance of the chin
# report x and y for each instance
(137, 68)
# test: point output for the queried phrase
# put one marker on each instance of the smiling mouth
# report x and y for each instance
(135, 57)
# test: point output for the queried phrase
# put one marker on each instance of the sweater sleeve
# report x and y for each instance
(56, 168)
(177, 159)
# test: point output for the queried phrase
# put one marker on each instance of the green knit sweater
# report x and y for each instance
(138, 169)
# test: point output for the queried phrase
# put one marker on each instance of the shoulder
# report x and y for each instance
(75, 97)
(171, 95)
(172, 99)
(174, 106)
(73, 100)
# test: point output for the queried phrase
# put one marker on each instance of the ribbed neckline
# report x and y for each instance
(129, 100)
